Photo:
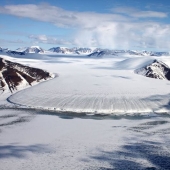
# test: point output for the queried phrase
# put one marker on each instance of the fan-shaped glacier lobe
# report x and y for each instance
(81, 88)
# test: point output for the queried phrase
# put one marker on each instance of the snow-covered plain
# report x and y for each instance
(132, 137)
(95, 85)
(39, 140)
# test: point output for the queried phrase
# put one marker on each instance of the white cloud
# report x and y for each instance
(5, 43)
(133, 12)
(127, 36)
(59, 16)
(17, 41)
(48, 40)
(98, 29)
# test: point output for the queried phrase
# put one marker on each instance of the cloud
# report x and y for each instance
(127, 36)
(17, 41)
(49, 40)
(6, 43)
(16, 33)
(59, 16)
(125, 28)
(133, 12)
(162, 5)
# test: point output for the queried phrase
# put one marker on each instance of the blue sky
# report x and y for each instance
(114, 24)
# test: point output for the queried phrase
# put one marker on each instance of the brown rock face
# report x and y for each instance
(13, 74)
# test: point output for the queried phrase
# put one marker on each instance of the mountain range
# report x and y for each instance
(91, 52)
(75, 50)
(14, 76)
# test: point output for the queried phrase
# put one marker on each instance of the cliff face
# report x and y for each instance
(15, 75)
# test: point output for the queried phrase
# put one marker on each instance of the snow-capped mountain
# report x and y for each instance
(61, 50)
(4, 49)
(101, 53)
(8, 51)
(15, 52)
(156, 69)
(75, 50)
(32, 49)
(92, 52)
(151, 53)
(23, 51)
(83, 50)
(159, 54)
(107, 52)
(14, 76)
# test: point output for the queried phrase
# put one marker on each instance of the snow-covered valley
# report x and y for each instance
(95, 85)
(97, 113)
(84, 85)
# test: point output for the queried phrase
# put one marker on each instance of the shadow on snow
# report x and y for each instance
(131, 156)
(17, 151)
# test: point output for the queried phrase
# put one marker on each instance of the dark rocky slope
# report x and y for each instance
(156, 69)
(13, 75)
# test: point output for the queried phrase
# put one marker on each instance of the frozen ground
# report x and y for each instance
(96, 85)
(41, 140)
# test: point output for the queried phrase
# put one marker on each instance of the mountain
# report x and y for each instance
(107, 52)
(151, 53)
(61, 50)
(4, 49)
(23, 51)
(92, 52)
(75, 50)
(83, 50)
(32, 49)
(159, 54)
(15, 52)
(156, 69)
(102, 53)
(14, 75)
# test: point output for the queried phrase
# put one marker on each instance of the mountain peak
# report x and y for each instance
(156, 69)
(32, 49)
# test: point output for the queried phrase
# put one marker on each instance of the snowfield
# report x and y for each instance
(39, 140)
(102, 85)
(104, 116)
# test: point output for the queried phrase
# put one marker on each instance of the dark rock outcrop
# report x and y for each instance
(156, 69)
(14, 74)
